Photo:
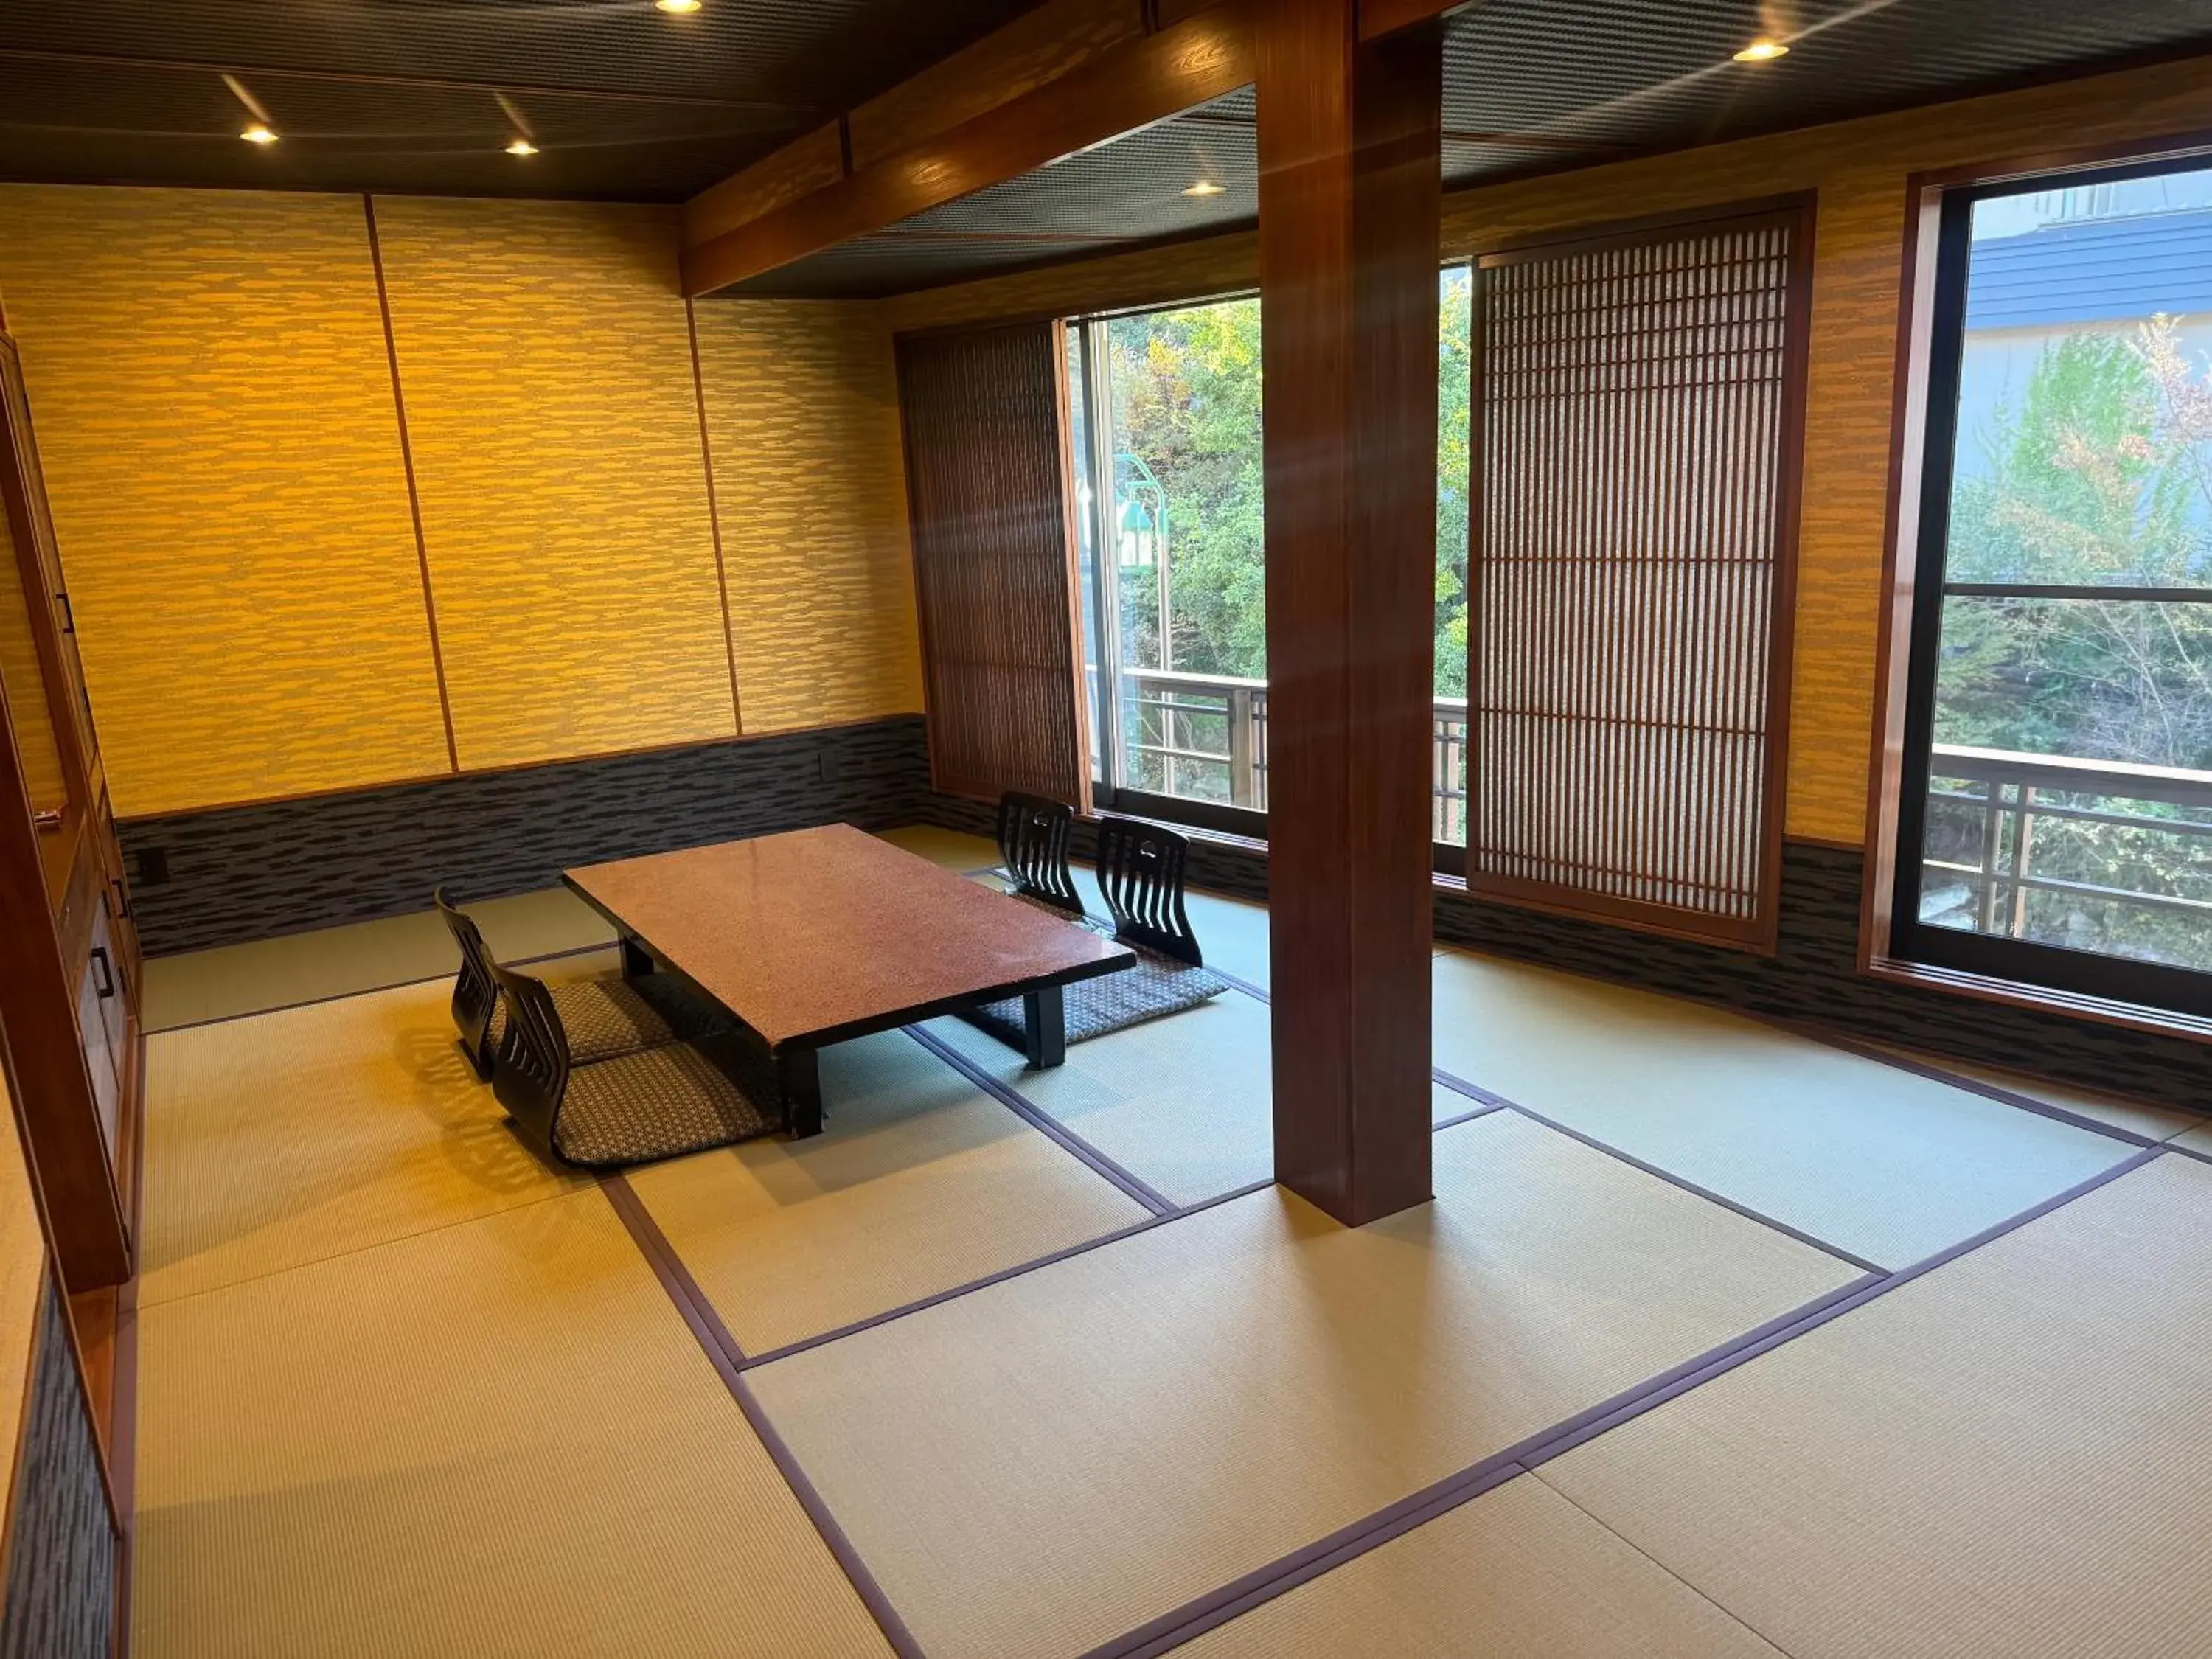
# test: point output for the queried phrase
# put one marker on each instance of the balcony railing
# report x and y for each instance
(2005, 827)
(2068, 851)
(1204, 737)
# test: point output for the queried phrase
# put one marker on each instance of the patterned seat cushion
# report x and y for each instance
(662, 1103)
(1155, 986)
(608, 1015)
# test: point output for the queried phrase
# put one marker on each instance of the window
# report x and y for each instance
(1166, 435)
(2055, 816)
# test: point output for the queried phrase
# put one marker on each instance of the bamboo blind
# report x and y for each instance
(1637, 402)
(994, 582)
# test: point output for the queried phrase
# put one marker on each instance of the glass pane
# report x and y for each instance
(1186, 562)
(2085, 404)
(1455, 322)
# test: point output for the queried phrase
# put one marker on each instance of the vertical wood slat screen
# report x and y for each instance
(1639, 400)
(994, 572)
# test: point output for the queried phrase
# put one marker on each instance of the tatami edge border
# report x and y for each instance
(722, 1353)
(1263, 1584)
(1014, 1101)
(1020, 1269)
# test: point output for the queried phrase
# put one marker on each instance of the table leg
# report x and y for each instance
(799, 1072)
(1045, 1016)
(637, 960)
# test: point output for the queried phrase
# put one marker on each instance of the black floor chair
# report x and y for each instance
(631, 1108)
(1140, 872)
(1033, 835)
(602, 1016)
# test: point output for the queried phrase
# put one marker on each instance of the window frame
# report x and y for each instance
(1933, 344)
(1109, 793)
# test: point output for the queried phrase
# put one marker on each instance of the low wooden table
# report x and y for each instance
(820, 935)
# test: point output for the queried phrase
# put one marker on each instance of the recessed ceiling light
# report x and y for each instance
(677, 7)
(257, 134)
(521, 147)
(1206, 187)
(1762, 51)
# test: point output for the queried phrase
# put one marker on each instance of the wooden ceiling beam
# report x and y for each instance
(1139, 79)
(1380, 17)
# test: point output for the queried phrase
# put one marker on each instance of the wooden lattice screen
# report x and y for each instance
(985, 414)
(1639, 401)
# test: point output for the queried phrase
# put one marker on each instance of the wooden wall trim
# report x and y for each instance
(407, 467)
(714, 519)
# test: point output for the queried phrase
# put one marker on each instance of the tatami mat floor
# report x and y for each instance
(1034, 1363)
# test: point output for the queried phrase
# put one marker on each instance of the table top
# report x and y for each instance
(821, 934)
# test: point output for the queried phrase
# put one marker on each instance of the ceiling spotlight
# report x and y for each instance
(1762, 51)
(1206, 187)
(676, 8)
(521, 147)
(257, 134)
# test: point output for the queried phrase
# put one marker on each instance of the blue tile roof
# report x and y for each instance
(2098, 270)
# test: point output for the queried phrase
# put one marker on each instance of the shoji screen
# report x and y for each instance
(1638, 412)
(994, 575)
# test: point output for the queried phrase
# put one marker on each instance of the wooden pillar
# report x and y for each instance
(1350, 195)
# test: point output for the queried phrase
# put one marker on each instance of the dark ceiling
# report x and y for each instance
(623, 100)
(1533, 86)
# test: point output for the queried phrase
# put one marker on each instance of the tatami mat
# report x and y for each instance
(2009, 1456)
(1040, 1466)
(2196, 1140)
(1185, 1103)
(362, 956)
(498, 1440)
(2135, 1117)
(921, 1183)
(284, 1138)
(1518, 1573)
(1882, 1163)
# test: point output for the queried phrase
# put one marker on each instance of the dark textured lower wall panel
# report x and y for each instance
(1812, 976)
(250, 871)
(62, 1542)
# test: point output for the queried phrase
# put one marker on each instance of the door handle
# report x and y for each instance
(103, 982)
(122, 898)
(69, 614)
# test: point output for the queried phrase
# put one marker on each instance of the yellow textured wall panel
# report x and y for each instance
(26, 687)
(802, 410)
(546, 364)
(215, 416)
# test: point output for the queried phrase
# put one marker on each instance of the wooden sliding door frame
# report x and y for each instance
(1760, 932)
